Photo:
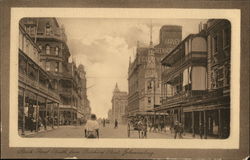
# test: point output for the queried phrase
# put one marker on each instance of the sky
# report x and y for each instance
(104, 46)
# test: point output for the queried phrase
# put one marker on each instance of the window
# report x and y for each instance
(57, 67)
(149, 100)
(215, 43)
(47, 66)
(150, 85)
(56, 51)
(48, 29)
(47, 49)
(32, 30)
(40, 46)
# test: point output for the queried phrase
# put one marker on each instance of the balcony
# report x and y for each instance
(191, 97)
(56, 36)
(67, 106)
(192, 58)
(67, 91)
(37, 85)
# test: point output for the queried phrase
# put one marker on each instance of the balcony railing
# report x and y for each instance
(51, 35)
(37, 85)
(191, 96)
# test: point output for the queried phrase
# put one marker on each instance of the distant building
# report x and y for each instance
(144, 73)
(119, 103)
(110, 118)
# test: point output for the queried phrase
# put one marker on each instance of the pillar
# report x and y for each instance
(193, 124)
(219, 124)
(53, 115)
(154, 117)
(37, 113)
(23, 113)
(46, 119)
(205, 124)
(58, 115)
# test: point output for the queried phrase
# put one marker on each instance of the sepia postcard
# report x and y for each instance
(124, 82)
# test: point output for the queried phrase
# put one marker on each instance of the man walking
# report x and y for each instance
(201, 129)
(176, 129)
(116, 123)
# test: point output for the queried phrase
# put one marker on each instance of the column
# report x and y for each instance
(37, 113)
(154, 117)
(219, 124)
(183, 120)
(58, 115)
(46, 119)
(23, 113)
(205, 124)
(193, 123)
(53, 114)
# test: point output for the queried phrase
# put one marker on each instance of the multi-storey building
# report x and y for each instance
(54, 57)
(144, 75)
(218, 70)
(119, 103)
(191, 93)
(38, 100)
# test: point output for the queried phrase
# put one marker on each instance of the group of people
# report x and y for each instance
(178, 129)
(156, 127)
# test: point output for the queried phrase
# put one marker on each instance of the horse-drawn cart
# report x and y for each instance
(136, 126)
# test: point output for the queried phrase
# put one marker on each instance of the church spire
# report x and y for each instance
(151, 42)
(116, 88)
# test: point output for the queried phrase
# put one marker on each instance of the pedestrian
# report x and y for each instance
(145, 128)
(92, 128)
(176, 129)
(103, 122)
(116, 123)
(201, 130)
(150, 126)
(162, 125)
(181, 130)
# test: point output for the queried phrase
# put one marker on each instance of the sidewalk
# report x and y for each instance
(185, 135)
(28, 133)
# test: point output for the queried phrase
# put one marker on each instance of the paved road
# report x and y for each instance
(105, 132)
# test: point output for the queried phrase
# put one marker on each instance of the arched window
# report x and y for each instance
(40, 46)
(56, 51)
(48, 29)
(47, 49)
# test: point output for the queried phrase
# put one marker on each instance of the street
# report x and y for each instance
(105, 132)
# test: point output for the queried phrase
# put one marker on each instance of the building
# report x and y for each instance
(110, 115)
(84, 111)
(38, 101)
(218, 70)
(195, 91)
(119, 103)
(144, 74)
(65, 76)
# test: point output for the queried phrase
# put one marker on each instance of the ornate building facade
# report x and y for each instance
(38, 101)
(196, 81)
(144, 74)
(119, 104)
(67, 79)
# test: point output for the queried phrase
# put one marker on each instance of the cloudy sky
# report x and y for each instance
(104, 46)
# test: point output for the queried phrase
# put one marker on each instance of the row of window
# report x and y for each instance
(48, 49)
(225, 39)
(52, 66)
(150, 100)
